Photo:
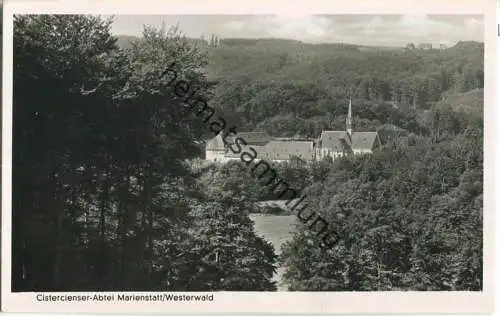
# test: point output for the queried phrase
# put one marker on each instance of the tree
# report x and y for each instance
(407, 218)
(233, 257)
(98, 157)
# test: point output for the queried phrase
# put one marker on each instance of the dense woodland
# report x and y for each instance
(292, 88)
(102, 196)
(108, 193)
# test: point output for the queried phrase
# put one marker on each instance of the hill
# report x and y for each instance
(103, 200)
(291, 87)
(287, 87)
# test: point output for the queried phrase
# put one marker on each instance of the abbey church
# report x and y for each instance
(329, 144)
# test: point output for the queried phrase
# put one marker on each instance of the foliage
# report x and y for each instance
(409, 217)
(288, 87)
(102, 196)
(107, 194)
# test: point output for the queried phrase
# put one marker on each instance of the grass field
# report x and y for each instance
(276, 229)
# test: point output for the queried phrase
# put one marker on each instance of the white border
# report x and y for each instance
(296, 302)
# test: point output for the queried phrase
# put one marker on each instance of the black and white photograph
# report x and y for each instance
(246, 153)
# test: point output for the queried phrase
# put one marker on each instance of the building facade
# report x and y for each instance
(331, 144)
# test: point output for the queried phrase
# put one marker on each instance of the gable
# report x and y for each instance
(333, 140)
(363, 140)
(338, 140)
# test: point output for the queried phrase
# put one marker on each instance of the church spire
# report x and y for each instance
(349, 120)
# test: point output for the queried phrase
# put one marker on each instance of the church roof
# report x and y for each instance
(276, 149)
(363, 140)
(280, 150)
(334, 140)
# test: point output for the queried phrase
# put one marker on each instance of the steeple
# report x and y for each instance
(349, 120)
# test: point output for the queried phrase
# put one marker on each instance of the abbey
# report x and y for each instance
(329, 144)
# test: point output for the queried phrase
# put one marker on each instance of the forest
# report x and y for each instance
(109, 191)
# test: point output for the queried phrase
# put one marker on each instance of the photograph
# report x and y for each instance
(200, 154)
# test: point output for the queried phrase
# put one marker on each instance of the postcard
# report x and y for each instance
(278, 156)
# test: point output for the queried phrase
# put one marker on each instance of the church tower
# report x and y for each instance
(348, 121)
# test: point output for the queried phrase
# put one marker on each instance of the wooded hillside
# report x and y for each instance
(102, 197)
(107, 194)
(287, 87)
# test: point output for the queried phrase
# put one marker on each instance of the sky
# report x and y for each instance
(384, 30)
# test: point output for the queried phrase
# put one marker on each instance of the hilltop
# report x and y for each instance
(288, 87)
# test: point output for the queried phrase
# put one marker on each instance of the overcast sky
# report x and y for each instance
(387, 30)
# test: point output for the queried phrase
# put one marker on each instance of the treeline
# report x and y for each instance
(106, 194)
(102, 198)
(409, 217)
(288, 87)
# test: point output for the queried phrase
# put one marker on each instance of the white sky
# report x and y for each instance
(386, 30)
